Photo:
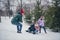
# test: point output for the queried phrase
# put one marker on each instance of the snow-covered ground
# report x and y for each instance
(8, 32)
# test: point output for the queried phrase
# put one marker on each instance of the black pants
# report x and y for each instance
(43, 28)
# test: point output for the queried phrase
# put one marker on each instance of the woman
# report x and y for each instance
(17, 20)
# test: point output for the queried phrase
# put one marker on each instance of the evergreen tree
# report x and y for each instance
(53, 15)
(50, 16)
(38, 10)
(36, 13)
(28, 16)
(56, 22)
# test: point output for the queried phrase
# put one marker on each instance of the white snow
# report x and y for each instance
(8, 32)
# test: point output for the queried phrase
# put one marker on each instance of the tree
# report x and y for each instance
(53, 15)
(35, 14)
(50, 16)
(38, 10)
(0, 14)
(56, 22)
(27, 13)
(8, 7)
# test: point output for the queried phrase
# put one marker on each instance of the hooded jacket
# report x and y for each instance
(17, 18)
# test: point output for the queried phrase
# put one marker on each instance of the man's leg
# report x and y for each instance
(44, 29)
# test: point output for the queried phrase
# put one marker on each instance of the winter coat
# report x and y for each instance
(37, 26)
(41, 22)
(18, 18)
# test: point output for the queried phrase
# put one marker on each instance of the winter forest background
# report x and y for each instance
(33, 9)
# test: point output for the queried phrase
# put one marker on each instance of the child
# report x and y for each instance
(31, 29)
(41, 23)
(37, 27)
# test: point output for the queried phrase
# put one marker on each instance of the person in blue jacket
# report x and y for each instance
(17, 20)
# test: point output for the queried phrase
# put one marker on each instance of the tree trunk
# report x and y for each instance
(0, 19)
